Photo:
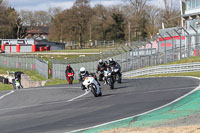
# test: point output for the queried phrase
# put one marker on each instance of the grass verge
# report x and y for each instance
(33, 74)
(58, 81)
(4, 87)
(91, 50)
(185, 60)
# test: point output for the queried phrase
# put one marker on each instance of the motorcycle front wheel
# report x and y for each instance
(111, 83)
(93, 90)
(71, 80)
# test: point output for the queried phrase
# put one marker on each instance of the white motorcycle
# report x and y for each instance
(91, 84)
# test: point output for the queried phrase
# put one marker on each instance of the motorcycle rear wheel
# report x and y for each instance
(111, 83)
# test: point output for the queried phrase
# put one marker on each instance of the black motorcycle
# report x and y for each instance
(101, 74)
(109, 78)
(116, 74)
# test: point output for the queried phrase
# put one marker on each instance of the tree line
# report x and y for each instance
(134, 20)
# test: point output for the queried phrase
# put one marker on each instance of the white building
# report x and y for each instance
(191, 14)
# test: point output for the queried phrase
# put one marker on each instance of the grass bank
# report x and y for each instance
(4, 87)
(58, 81)
(185, 60)
(91, 50)
(33, 74)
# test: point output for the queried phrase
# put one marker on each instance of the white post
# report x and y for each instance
(129, 33)
(181, 13)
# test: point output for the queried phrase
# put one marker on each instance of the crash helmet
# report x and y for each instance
(101, 62)
(68, 66)
(82, 71)
(111, 61)
(17, 79)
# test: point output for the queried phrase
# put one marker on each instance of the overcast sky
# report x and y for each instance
(64, 4)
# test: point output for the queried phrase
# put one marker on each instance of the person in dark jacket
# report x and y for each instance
(101, 67)
(82, 74)
(115, 65)
(67, 71)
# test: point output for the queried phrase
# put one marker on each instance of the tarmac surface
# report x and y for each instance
(54, 110)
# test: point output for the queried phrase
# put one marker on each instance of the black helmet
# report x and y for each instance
(111, 61)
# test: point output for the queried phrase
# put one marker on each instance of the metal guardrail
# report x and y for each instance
(164, 69)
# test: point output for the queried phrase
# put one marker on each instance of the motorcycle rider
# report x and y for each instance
(113, 63)
(17, 82)
(101, 67)
(83, 74)
(69, 70)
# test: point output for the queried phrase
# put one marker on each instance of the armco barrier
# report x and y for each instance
(163, 69)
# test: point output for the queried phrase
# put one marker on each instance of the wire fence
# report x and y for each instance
(126, 56)
(91, 44)
(42, 67)
(170, 47)
(25, 63)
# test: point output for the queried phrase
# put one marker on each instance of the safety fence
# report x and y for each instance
(128, 58)
(25, 63)
(103, 43)
(171, 46)
(42, 67)
(89, 62)
(134, 56)
(164, 69)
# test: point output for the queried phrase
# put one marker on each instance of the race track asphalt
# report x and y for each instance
(48, 109)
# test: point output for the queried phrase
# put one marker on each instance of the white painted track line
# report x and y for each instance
(86, 92)
(3, 96)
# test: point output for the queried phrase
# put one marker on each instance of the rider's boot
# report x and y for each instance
(98, 83)
(83, 87)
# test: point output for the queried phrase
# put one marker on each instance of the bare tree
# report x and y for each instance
(101, 22)
(27, 18)
(170, 15)
(41, 18)
(153, 20)
(138, 6)
(52, 12)
(138, 18)
(81, 14)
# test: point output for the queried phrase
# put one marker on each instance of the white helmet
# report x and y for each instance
(111, 61)
(100, 62)
(82, 71)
